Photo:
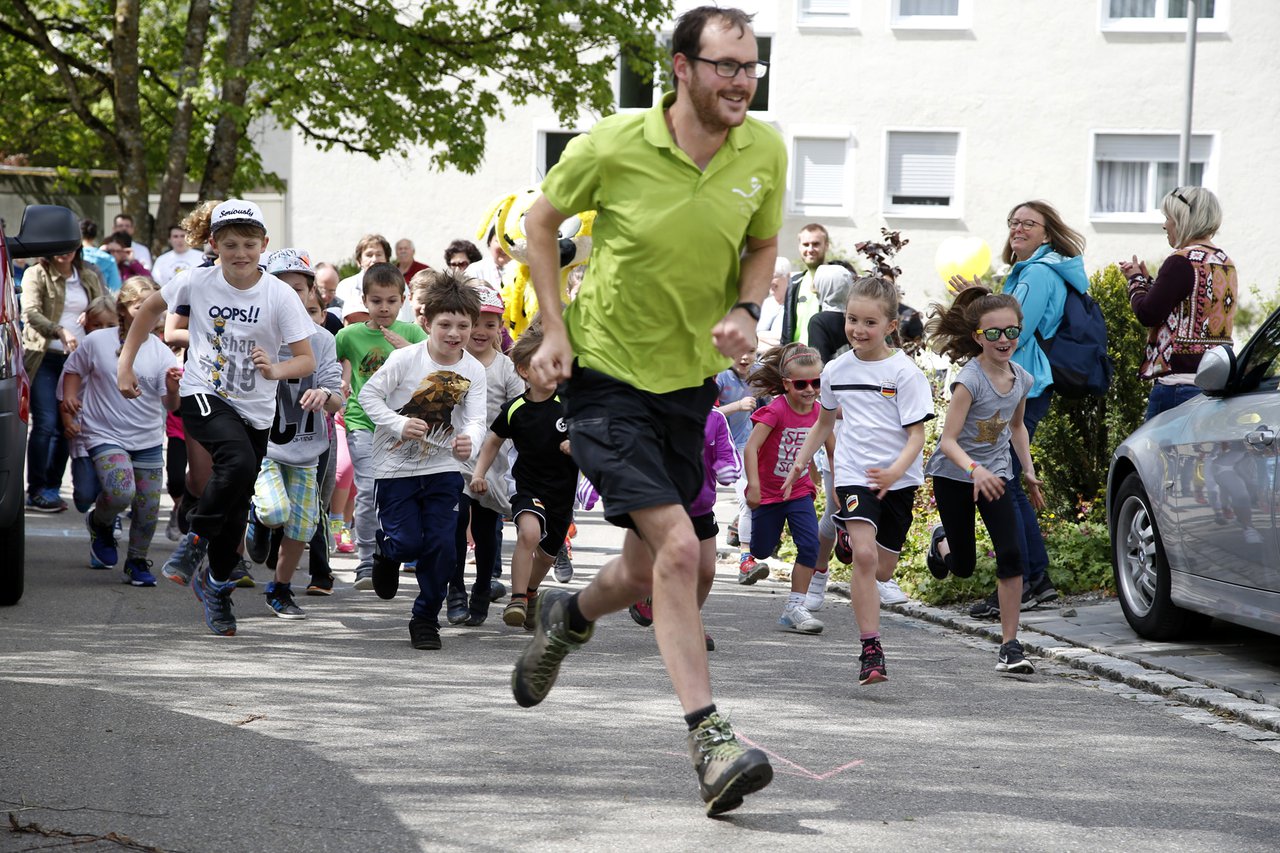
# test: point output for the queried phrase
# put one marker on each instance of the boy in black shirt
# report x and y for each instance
(545, 476)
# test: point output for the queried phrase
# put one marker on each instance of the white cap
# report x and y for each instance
(290, 260)
(237, 210)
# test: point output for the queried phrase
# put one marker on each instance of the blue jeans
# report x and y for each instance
(417, 520)
(47, 448)
(1030, 538)
(1165, 397)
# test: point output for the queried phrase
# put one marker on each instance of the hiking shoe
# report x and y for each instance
(216, 598)
(257, 539)
(817, 595)
(539, 664)
(171, 531)
(1012, 659)
(872, 669)
(890, 592)
(280, 600)
(497, 590)
(936, 562)
(711, 644)
(563, 566)
(515, 613)
(320, 585)
(242, 576)
(988, 608)
(727, 770)
(844, 548)
(137, 572)
(186, 559)
(346, 543)
(424, 634)
(457, 608)
(43, 503)
(749, 571)
(796, 618)
(1042, 589)
(384, 576)
(364, 576)
(642, 612)
(103, 553)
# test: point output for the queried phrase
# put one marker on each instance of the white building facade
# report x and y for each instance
(930, 117)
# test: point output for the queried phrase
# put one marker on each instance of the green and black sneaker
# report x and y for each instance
(539, 664)
(727, 770)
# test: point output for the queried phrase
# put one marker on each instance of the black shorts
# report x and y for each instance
(890, 515)
(705, 527)
(554, 521)
(639, 449)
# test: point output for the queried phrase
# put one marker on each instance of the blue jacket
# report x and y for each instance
(1040, 285)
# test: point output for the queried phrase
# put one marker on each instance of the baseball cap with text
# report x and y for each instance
(237, 211)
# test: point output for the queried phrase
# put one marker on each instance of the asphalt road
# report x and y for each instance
(120, 713)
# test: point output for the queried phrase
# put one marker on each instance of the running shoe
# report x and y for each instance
(497, 590)
(1042, 590)
(186, 559)
(335, 533)
(844, 548)
(410, 568)
(749, 571)
(1013, 660)
(936, 562)
(320, 585)
(531, 613)
(642, 612)
(364, 576)
(103, 553)
(797, 619)
(515, 613)
(424, 634)
(731, 537)
(280, 600)
(257, 539)
(216, 598)
(171, 531)
(475, 619)
(346, 542)
(872, 669)
(43, 503)
(457, 608)
(711, 644)
(539, 664)
(242, 576)
(384, 576)
(817, 595)
(890, 592)
(137, 572)
(727, 770)
(563, 566)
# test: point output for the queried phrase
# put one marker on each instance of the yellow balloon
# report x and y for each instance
(962, 256)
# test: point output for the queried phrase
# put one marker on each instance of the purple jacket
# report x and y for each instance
(720, 462)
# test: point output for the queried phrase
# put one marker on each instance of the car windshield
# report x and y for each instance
(1259, 366)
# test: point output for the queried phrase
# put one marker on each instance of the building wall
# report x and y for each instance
(1026, 85)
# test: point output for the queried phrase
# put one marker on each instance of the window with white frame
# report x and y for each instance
(931, 14)
(1133, 172)
(921, 172)
(551, 144)
(821, 174)
(1161, 15)
(827, 13)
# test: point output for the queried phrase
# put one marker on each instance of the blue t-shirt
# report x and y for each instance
(732, 389)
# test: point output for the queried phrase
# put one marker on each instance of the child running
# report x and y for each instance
(790, 373)
(546, 477)
(973, 462)
(286, 495)
(239, 318)
(124, 437)
(100, 314)
(428, 402)
(878, 465)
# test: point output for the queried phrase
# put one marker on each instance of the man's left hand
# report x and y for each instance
(735, 335)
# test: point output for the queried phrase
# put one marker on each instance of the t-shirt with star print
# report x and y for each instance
(985, 434)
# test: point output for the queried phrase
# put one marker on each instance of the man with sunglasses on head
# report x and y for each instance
(689, 201)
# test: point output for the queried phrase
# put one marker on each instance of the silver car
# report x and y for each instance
(1192, 497)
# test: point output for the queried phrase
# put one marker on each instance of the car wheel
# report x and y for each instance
(12, 540)
(1142, 570)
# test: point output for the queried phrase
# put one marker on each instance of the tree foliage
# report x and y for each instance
(164, 91)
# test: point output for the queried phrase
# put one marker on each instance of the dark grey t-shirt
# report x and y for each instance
(985, 434)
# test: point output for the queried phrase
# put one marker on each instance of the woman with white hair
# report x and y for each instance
(1190, 305)
(769, 329)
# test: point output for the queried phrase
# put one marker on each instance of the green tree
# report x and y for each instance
(163, 91)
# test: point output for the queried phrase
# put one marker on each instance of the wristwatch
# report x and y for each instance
(751, 308)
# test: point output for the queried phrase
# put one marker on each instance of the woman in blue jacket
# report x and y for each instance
(1046, 256)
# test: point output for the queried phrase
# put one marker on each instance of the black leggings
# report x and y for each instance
(237, 449)
(484, 524)
(176, 468)
(955, 508)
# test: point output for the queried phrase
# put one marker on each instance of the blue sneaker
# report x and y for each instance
(241, 576)
(137, 571)
(280, 600)
(257, 539)
(186, 559)
(103, 553)
(216, 597)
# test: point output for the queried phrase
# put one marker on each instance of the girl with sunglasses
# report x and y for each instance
(973, 464)
(791, 374)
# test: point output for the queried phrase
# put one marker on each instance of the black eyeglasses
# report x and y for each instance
(804, 384)
(1024, 224)
(1010, 332)
(729, 69)
(1177, 193)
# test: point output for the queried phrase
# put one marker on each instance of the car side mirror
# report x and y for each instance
(47, 230)
(1217, 369)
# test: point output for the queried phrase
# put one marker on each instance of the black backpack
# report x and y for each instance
(1077, 352)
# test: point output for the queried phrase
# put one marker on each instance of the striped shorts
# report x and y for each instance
(287, 496)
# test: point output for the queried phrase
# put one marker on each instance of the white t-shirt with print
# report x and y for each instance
(879, 400)
(171, 263)
(106, 415)
(226, 324)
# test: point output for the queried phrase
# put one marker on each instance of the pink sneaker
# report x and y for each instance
(346, 542)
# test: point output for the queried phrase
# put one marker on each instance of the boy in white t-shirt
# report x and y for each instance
(182, 257)
(240, 317)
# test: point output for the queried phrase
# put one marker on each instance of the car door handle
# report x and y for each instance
(1260, 437)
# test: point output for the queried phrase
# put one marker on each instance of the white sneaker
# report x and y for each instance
(1252, 536)
(891, 593)
(817, 595)
(171, 531)
(796, 618)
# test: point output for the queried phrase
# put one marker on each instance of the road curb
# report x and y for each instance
(1135, 673)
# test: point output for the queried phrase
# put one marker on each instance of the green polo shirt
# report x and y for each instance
(667, 242)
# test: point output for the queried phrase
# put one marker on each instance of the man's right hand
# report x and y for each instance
(554, 359)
